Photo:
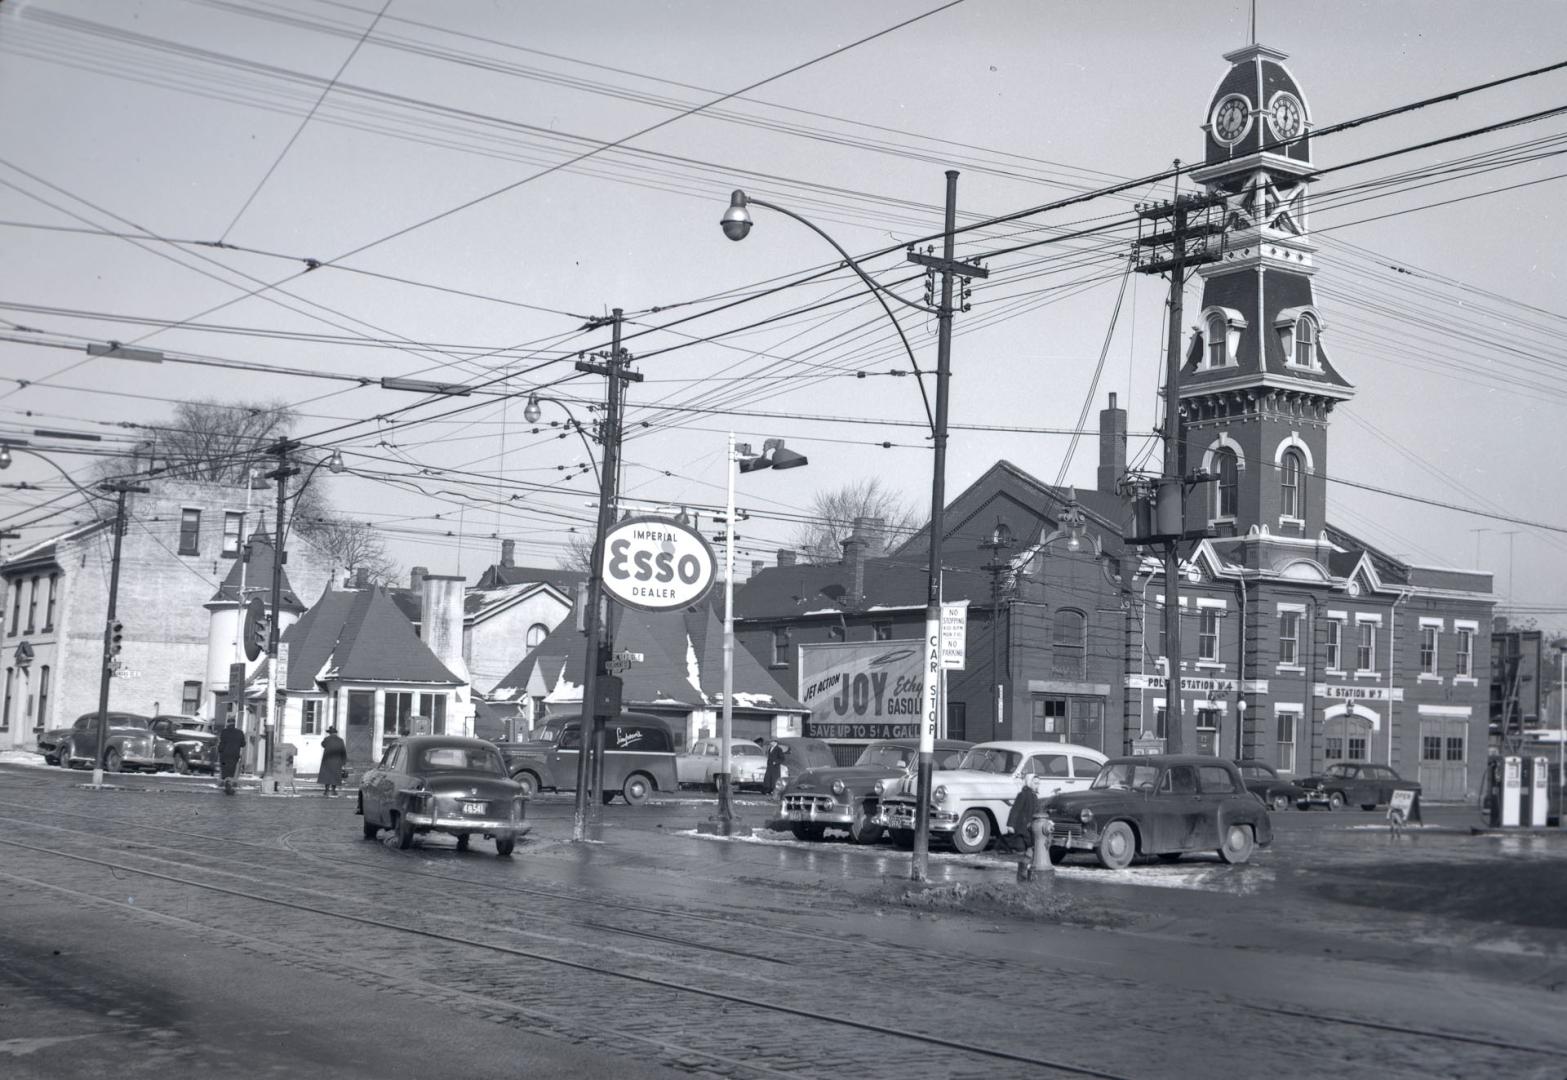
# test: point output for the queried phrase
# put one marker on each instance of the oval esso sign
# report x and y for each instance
(656, 565)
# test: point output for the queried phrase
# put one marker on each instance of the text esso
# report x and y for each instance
(656, 565)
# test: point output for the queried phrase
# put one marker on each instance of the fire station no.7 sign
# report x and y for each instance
(656, 565)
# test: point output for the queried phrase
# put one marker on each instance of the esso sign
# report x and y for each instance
(656, 565)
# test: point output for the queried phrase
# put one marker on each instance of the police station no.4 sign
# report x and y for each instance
(656, 564)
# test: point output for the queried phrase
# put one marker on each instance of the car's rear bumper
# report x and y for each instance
(459, 824)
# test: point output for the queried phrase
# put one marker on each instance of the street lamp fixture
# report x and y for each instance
(5, 456)
(532, 412)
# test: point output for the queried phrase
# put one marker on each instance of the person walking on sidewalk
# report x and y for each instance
(334, 759)
(231, 745)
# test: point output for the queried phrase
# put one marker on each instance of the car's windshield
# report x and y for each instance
(990, 759)
(1124, 776)
(461, 758)
(1339, 770)
(892, 757)
(549, 733)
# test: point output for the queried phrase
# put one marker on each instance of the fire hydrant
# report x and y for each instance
(1038, 866)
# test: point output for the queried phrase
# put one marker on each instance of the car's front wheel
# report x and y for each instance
(113, 761)
(405, 832)
(1057, 854)
(1281, 803)
(1336, 801)
(181, 765)
(62, 755)
(1237, 844)
(1117, 846)
(972, 833)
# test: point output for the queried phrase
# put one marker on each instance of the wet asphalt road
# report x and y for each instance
(110, 968)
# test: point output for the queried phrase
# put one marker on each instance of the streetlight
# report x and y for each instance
(1001, 539)
(736, 223)
(774, 455)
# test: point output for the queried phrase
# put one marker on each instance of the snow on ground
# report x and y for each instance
(22, 757)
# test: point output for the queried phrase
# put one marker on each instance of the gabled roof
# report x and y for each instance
(255, 566)
(360, 636)
(48, 550)
(681, 665)
(498, 576)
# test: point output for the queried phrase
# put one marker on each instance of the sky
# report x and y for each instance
(476, 181)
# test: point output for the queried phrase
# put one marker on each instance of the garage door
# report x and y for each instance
(1444, 759)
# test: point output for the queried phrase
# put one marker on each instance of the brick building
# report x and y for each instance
(182, 540)
(1301, 644)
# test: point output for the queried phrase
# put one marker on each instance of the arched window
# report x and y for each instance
(1225, 494)
(1069, 644)
(536, 635)
(1218, 341)
(1306, 341)
(1292, 485)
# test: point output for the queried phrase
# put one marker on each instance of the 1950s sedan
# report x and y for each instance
(443, 783)
(1161, 804)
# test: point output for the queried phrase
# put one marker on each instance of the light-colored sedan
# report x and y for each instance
(698, 766)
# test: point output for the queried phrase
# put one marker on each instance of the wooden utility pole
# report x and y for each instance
(600, 689)
(111, 627)
(280, 450)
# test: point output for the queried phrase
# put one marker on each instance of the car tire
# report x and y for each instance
(62, 755)
(972, 834)
(1281, 803)
(637, 789)
(405, 832)
(607, 797)
(528, 782)
(1336, 800)
(181, 765)
(1117, 846)
(462, 841)
(1368, 806)
(1238, 843)
(1057, 855)
(371, 829)
(113, 761)
(862, 830)
(902, 838)
(1170, 856)
(505, 845)
(804, 830)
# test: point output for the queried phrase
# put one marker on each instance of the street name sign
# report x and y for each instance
(656, 564)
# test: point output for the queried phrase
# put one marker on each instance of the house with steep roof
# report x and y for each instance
(676, 672)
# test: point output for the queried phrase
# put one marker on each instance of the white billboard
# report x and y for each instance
(861, 689)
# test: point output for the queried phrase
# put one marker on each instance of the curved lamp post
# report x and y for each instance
(1001, 540)
(736, 224)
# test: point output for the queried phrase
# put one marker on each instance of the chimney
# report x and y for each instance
(509, 547)
(416, 577)
(362, 578)
(786, 557)
(865, 539)
(756, 567)
(440, 620)
(1112, 447)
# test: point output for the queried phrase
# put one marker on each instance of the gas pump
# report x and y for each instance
(1539, 791)
(1512, 790)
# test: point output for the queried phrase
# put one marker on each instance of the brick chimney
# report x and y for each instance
(1112, 446)
(864, 541)
(416, 577)
(756, 567)
(786, 557)
(509, 550)
(362, 578)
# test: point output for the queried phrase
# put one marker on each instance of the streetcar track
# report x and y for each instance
(880, 1029)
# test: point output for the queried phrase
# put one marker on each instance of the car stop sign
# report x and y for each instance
(656, 564)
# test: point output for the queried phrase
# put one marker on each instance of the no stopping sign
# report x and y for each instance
(656, 564)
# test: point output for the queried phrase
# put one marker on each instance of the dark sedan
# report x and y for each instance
(1356, 783)
(1160, 804)
(1280, 793)
(846, 797)
(443, 783)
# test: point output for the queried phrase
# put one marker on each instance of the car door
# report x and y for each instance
(560, 764)
(379, 787)
(84, 738)
(1358, 786)
(1179, 810)
(1219, 792)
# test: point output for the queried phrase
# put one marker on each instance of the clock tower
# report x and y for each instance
(1257, 385)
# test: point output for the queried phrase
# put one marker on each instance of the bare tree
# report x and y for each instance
(579, 553)
(833, 512)
(354, 546)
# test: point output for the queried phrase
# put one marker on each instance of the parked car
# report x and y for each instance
(969, 805)
(1263, 781)
(129, 744)
(194, 741)
(845, 796)
(443, 783)
(639, 757)
(800, 754)
(1356, 783)
(697, 766)
(1161, 804)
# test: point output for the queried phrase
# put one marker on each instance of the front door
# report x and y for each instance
(1208, 732)
(359, 739)
(1444, 758)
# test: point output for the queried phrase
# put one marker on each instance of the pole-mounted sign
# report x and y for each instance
(656, 564)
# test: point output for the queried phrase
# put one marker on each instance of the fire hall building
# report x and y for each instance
(1301, 644)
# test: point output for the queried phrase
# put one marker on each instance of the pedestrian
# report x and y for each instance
(775, 760)
(334, 759)
(231, 746)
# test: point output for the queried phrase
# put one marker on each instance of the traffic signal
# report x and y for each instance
(260, 631)
(116, 637)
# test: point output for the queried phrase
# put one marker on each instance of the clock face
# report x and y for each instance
(1284, 115)
(1231, 119)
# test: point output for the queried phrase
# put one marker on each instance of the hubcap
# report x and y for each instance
(1117, 845)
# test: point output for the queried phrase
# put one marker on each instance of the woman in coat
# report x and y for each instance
(334, 758)
(775, 760)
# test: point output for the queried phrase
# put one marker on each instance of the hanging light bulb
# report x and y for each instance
(532, 412)
(335, 462)
(5, 456)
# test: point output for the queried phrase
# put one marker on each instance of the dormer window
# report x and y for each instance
(1222, 336)
(1306, 341)
(1299, 329)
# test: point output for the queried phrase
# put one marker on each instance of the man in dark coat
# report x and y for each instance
(1021, 820)
(334, 758)
(231, 746)
(775, 760)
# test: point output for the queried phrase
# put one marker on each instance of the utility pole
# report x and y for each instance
(1167, 252)
(930, 695)
(600, 690)
(111, 635)
(280, 450)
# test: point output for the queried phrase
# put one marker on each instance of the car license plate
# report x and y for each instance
(473, 808)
